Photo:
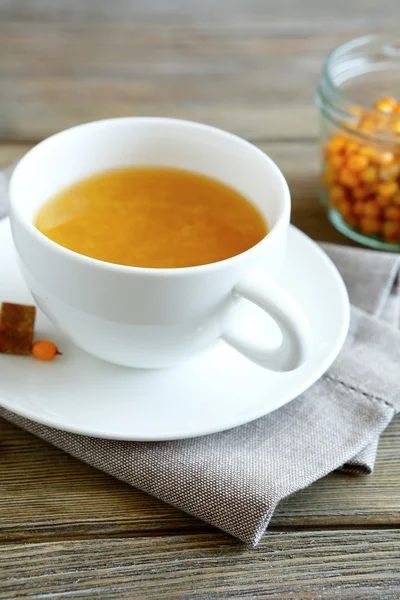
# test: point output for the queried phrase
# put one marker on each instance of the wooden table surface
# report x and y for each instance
(249, 66)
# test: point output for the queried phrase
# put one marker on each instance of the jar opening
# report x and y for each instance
(355, 76)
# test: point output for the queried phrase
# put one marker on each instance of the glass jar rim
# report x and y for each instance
(343, 49)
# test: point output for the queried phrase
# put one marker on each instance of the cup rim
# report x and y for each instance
(16, 212)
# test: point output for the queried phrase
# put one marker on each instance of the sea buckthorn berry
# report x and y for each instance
(370, 226)
(337, 144)
(351, 148)
(383, 201)
(44, 350)
(357, 162)
(388, 188)
(336, 161)
(391, 231)
(344, 207)
(372, 209)
(386, 105)
(358, 208)
(391, 172)
(386, 158)
(360, 192)
(336, 194)
(392, 213)
(369, 175)
(348, 178)
(396, 199)
(369, 152)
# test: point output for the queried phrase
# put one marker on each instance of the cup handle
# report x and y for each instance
(296, 332)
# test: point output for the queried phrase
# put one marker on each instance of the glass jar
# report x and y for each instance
(360, 140)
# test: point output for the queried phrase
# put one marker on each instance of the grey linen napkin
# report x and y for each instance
(235, 479)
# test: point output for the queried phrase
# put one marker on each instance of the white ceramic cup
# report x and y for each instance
(151, 318)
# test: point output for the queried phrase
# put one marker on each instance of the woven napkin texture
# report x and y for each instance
(235, 479)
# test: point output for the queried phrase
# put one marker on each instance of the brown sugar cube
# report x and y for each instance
(16, 328)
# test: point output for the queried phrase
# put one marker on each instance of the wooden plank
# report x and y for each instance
(46, 494)
(337, 564)
(251, 67)
(52, 80)
(272, 17)
(343, 499)
(54, 77)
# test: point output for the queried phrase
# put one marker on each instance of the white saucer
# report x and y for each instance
(216, 391)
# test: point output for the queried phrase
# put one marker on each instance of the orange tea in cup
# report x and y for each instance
(152, 217)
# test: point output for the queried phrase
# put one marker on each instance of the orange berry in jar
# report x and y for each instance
(345, 208)
(392, 213)
(360, 193)
(386, 159)
(391, 231)
(351, 148)
(369, 152)
(396, 199)
(357, 162)
(336, 194)
(337, 144)
(386, 105)
(370, 226)
(369, 175)
(396, 127)
(383, 201)
(388, 188)
(348, 178)
(372, 209)
(336, 161)
(358, 208)
(390, 172)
